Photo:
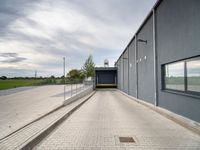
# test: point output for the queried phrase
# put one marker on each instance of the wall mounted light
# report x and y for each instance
(140, 40)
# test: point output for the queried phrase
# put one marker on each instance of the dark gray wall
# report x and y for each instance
(178, 37)
(125, 62)
(106, 76)
(132, 77)
(118, 75)
(145, 66)
(121, 74)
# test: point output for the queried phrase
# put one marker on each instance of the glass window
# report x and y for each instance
(174, 76)
(193, 75)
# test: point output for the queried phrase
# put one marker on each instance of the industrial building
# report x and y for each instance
(106, 77)
(161, 63)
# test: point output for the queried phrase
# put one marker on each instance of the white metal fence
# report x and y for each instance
(74, 87)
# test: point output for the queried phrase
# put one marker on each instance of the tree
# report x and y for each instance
(82, 75)
(3, 77)
(62, 81)
(51, 80)
(89, 67)
(75, 74)
(52, 77)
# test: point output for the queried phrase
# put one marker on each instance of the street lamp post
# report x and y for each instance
(64, 69)
(64, 75)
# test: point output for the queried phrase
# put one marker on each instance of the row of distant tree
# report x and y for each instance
(5, 78)
(88, 70)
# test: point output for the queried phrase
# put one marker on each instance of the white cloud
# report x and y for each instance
(45, 31)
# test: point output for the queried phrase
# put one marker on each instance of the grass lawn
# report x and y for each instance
(13, 83)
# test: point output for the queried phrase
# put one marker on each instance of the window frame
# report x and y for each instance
(185, 91)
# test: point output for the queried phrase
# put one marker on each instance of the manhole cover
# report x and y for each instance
(126, 140)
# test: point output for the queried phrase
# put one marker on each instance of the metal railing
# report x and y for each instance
(73, 88)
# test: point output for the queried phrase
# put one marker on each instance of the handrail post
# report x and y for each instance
(64, 91)
(76, 88)
(71, 89)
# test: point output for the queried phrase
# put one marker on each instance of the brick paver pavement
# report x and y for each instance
(19, 107)
(28, 133)
(108, 115)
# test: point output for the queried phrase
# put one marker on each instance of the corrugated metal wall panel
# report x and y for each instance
(132, 77)
(146, 63)
(126, 80)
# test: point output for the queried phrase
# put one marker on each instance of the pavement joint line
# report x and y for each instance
(42, 116)
(34, 120)
(109, 115)
(181, 120)
(45, 132)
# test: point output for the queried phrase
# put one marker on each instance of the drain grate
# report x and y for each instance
(126, 140)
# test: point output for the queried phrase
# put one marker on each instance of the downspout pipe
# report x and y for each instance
(155, 59)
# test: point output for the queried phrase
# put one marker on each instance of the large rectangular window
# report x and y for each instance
(193, 75)
(174, 77)
(182, 76)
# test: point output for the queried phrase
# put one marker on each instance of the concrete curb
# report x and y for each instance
(66, 102)
(43, 133)
(42, 116)
(78, 95)
(183, 121)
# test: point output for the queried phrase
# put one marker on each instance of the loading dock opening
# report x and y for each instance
(106, 77)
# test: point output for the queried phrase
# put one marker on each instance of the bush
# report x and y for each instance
(3, 77)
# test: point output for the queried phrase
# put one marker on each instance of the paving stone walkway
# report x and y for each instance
(19, 107)
(108, 115)
(20, 138)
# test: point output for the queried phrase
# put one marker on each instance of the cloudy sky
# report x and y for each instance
(36, 34)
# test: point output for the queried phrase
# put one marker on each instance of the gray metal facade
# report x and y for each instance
(125, 72)
(145, 62)
(177, 37)
(132, 62)
(121, 75)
